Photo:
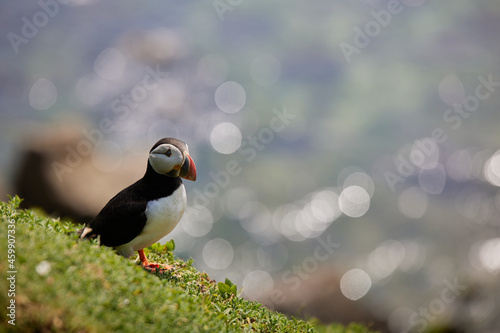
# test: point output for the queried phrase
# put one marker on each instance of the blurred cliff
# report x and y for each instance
(54, 176)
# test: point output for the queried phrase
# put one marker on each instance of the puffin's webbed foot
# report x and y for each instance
(151, 266)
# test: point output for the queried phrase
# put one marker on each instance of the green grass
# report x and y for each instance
(65, 285)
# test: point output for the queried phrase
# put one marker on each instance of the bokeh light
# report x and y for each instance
(110, 64)
(414, 256)
(413, 202)
(459, 166)
(257, 284)
(324, 206)
(354, 201)
(288, 224)
(355, 283)
(492, 169)
(255, 217)
(432, 180)
(226, 138)
(386, 258)
(474, 204)
(307, 217)
(280, 218)
(43, 94)
(362, 179)
(245, 257)
(43, 268)
(230, 97)
(307, 225)
(218, 253)
(489, 255)
(451, 90)
(425, 153)
(197, 221)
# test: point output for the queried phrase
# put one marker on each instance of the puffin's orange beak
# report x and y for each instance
(188, 169)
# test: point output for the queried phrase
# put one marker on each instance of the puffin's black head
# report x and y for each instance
(170, 157)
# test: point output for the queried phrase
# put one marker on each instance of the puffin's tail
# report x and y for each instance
(86, 233)
(78, 233)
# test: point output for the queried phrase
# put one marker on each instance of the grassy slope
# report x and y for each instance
(91, 289)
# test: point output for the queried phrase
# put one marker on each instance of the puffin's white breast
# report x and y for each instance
(162, 216)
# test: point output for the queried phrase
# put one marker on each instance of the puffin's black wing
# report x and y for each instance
(121, 220)
(124, 216)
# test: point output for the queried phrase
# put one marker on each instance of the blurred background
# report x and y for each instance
(347, 151)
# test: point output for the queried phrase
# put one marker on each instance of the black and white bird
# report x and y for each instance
(149, 209)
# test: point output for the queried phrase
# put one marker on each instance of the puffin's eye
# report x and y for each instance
(168, 153)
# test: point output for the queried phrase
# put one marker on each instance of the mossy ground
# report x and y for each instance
(66, 285)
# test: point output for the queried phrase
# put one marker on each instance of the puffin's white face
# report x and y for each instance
(165, 158)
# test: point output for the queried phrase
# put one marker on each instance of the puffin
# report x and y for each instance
(149, 209)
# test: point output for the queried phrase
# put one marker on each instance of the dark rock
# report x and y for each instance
(77, 190)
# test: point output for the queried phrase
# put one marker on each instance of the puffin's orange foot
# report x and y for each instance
(152, 267)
